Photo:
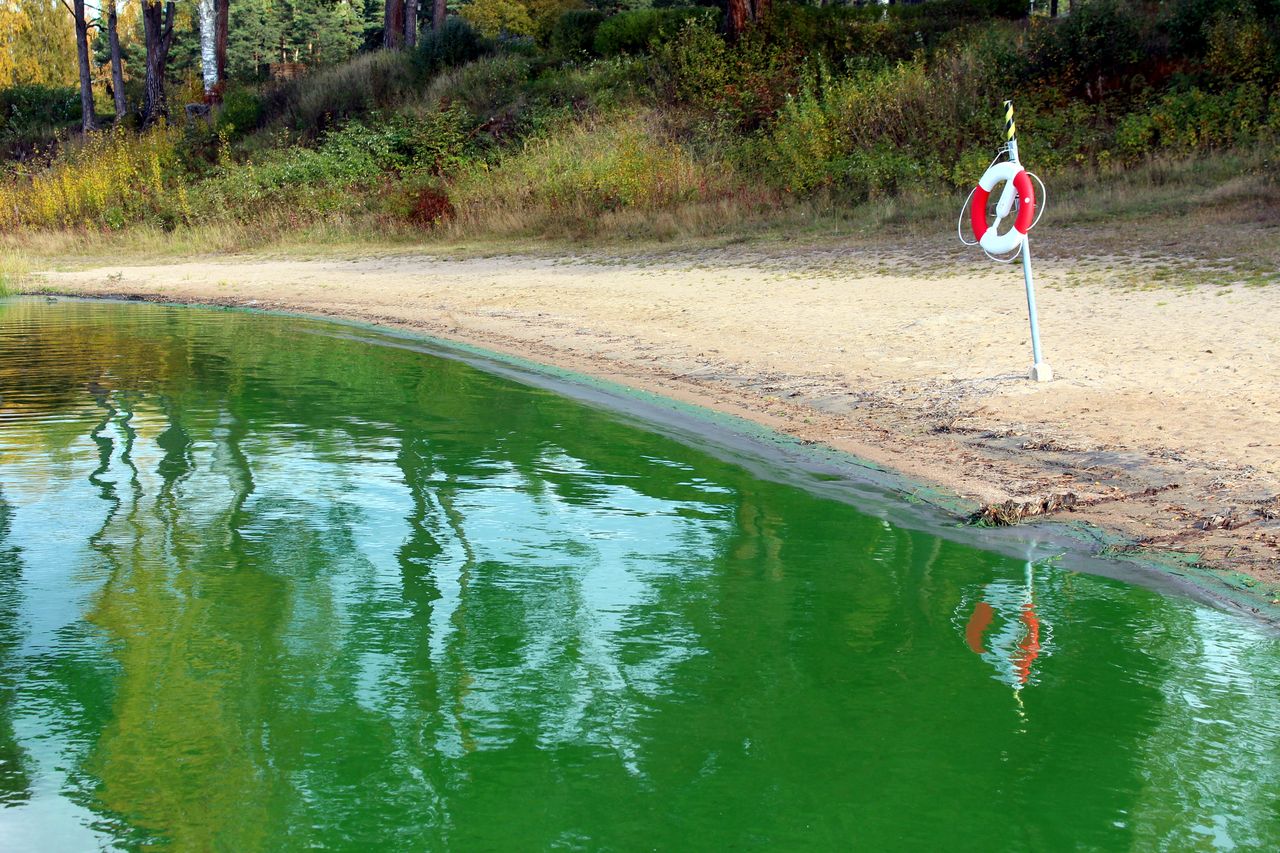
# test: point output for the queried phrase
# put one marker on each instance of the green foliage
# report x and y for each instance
(241, 112)
(574, 34)
(1241, 50)
(324, 98)
(1102, 39)
(637, 31)
(836, 102)
(33, 110)
(602, 86)
(499, 17)
(739, 86)
(454, 44)
(483, 87)
(314, 32)
(356, 157)
(1195, 120)
(587, 169)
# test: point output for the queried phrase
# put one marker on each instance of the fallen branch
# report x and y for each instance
(1012, 512)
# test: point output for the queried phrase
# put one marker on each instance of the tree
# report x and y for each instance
(37, 43)
(157, 33)
(393, 24)
(744, 13)
(207, 13)
(220, 42)
(87, 121)
(410, 23)
(439, 9)
(117, 71)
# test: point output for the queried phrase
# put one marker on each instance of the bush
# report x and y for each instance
(1096, 43)
(32, 110)
(637, 31)
(498, 17)
(1195, 120)
(240, 113)
(357, 157)
(574, 34)
(108, 180)
(484, 87)
(583, 170)
(322, 99)
(741, 86)
(455, 44)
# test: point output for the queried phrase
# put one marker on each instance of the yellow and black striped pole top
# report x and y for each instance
(1010, 129)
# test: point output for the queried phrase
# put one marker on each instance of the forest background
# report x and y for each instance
(229, 124)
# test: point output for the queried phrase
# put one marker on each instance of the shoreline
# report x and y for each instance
(621, 322)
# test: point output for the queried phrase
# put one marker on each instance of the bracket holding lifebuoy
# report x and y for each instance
(1017, 187)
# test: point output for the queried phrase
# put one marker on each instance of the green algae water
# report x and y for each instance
(273, 584)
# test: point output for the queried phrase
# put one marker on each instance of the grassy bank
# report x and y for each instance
(652, 126)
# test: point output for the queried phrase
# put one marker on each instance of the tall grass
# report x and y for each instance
(14, 272)
(584, 170)
(109, 178)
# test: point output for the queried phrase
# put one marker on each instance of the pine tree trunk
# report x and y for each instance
(738, 18)
(220, 42)
(157, 31)
(117, 69)
(410, 23)
(393, 24)
(438, 10)
(87, 122)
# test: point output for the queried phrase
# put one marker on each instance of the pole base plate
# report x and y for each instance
(1041, 372)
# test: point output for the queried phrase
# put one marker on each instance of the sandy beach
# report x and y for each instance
(1162, 422)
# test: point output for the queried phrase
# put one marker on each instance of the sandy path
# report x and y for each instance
(901, 363)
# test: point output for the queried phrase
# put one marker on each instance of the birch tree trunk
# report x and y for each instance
(207, 12)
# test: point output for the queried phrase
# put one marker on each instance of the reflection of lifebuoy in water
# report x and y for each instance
(1016, 645)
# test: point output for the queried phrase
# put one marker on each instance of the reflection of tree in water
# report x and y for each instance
(15, 780)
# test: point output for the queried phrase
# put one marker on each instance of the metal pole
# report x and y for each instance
(1040, 371)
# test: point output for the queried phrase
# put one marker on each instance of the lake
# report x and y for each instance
(271, 583)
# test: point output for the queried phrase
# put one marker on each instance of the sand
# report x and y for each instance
(1163, 420)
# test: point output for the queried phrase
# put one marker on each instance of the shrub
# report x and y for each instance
(355, 157)
(240, 113)
(636, 31)
(869, 133)
(1195, 120)
(498, 17)
(110, 179)
(575, 32)
(1099, 41)
(322, 99)
(424, 204)
(602, 85)
(484, 86)
(585, 169)
(740, 85)
(33, 111)
(454, 44)
(1241, 50)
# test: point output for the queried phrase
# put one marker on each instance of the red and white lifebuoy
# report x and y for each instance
(1017, 185)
